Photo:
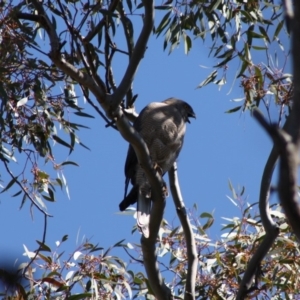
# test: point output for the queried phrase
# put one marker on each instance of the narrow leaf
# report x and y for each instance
(81, 114)
(234, 109)
(164, 22)
(43, 247)
(60, 141)
(210, 78)
(278, 29)
(17, 194)
(22, 102)
(10, 184)
(69, 163)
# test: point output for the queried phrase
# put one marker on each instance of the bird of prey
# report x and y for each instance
(162, 125)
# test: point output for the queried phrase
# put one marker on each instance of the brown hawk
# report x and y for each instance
(162, 125)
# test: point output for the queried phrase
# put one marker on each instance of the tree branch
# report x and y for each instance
(161, 291)
(24, 190)
(137, 55)
(294, 129)
(40, 246)
(128, 33)
(270, 226)
(286, 145)
(111, 105)
(112, 7)
(190, 241)
(288, 167)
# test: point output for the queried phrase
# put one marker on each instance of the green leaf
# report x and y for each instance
(243, 68)
(73, 139)
(214, 5)
(255, 35)
(210, 78)
(208, 224)
(259, 48)
(64, 238)
(278, 29)
(22, 102)
(264, 33)
(248, 17)
(47, 198)
(164, 22)
(259, 76)
(187, 43)
(69, 163)
(227, 53)
(206, 215)
(233, 109)
(17, 194)
(84, 146)
(10, 184)
(81, 114)
(129, 4)
(58, 180)
(51, 193)
(23, 200)
(140, 5)
(164, 7)
(43, 247)
(60, 141)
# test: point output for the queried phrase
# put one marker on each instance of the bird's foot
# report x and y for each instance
(158, 169)
(165, 190)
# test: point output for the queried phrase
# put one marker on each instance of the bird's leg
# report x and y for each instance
(159, 170)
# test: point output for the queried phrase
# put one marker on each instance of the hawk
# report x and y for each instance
(162, 125)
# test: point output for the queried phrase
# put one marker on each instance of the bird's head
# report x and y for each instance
(185, 109)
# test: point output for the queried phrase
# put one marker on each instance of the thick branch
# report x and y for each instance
(148, 245)
(137, 55)
(287, 146)
(111, 105)
(187, 229)
(128, 33)
(288, 167)
(270, 226)
(294, 129)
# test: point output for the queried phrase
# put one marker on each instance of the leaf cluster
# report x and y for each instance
(92, 272)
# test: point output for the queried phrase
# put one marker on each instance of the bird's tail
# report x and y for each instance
(143, 213)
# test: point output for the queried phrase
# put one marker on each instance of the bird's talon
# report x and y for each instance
(165, 190)
(158, 169)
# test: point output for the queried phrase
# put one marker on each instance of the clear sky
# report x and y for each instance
(218, 147)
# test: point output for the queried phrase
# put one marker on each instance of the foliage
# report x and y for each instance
(32, 113)
(39, 103)
(240, 32)
(38, 99)
(92, 272)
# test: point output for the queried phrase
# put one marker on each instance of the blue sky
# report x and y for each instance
(218, 147)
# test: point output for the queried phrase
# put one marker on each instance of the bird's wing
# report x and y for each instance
(129, 199)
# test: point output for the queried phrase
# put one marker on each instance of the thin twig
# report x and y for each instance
(40, 246)
(24, 190)
(133, 258)
(98, 27)
(137, 55)
(102, 115)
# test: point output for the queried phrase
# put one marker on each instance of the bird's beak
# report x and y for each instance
(191, 115)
